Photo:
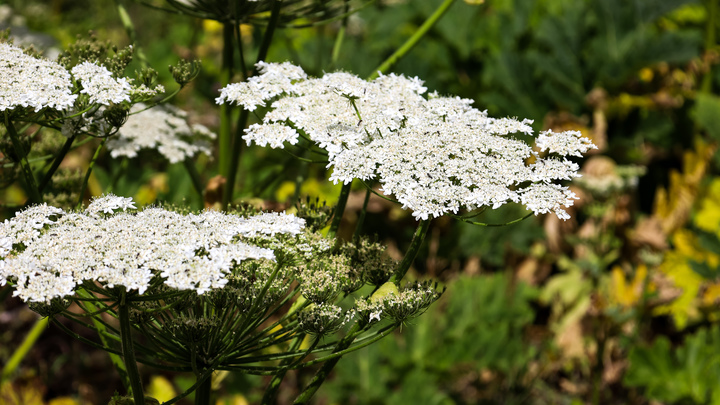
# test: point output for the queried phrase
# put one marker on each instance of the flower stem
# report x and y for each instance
(102, 331)
(195, 177)
(32, 188)
(339, 40)
(136, 389)
(361, 218)
(224, 139)
(326, 368)
(412, 251)
(202, 394)
(271, 391)
(24, 348)
(56, 163)
(339, 209)
(413, 40)
(234, 158)
(89, 171)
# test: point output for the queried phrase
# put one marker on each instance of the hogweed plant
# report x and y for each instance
(203, 292)
(247, 291)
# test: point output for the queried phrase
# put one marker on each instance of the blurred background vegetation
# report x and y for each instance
(617, 305)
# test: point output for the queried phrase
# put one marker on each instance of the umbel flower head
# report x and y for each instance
(164, 128)
(435, 155)
(27, 81)
(49, 252)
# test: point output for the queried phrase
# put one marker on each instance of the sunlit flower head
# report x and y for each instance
(163, 128)
(26, 81)
(435, 155)
(48, 252)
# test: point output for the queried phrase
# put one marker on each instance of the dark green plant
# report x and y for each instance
(686, 374)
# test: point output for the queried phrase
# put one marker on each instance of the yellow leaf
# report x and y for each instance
(212, 26)
(63, 401)
(15, 394)
(236, 399)
(161, 388)
(217, 378)
(285, 191)
(712, 294)
(626, 294)
(677, 269)
(708, 217)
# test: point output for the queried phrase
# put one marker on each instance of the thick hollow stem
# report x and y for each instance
(129, 352)
(202, 394)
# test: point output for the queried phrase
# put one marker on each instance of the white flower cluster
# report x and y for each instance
(435, 155)
(48, 252)
(98, 83)
(274, 79)
(164, 128)
(26, 81)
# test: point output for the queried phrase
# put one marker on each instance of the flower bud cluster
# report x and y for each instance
(322, 319)
(399, 305)
(369, 261)
(435, 154)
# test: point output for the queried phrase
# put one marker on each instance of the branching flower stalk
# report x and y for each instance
(207, 291)
(435, 155)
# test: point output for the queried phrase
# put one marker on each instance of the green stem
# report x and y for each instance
(326, 368)
(33, 190)
(115, 359)
(413, 40)
(24, 348)
(361, 218)
(224, 139)
(269, 32)
(195, 177)
(464, 219)
(712, 8)
(130, 30)
(338, 45)
(129, 352)
(202, 394)
(339, 209)
(270, 396)
(234, 157)
(339, 40)
(412, 251)
(89, 171)
(207, 375)
(56, 163)
(330, 361)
